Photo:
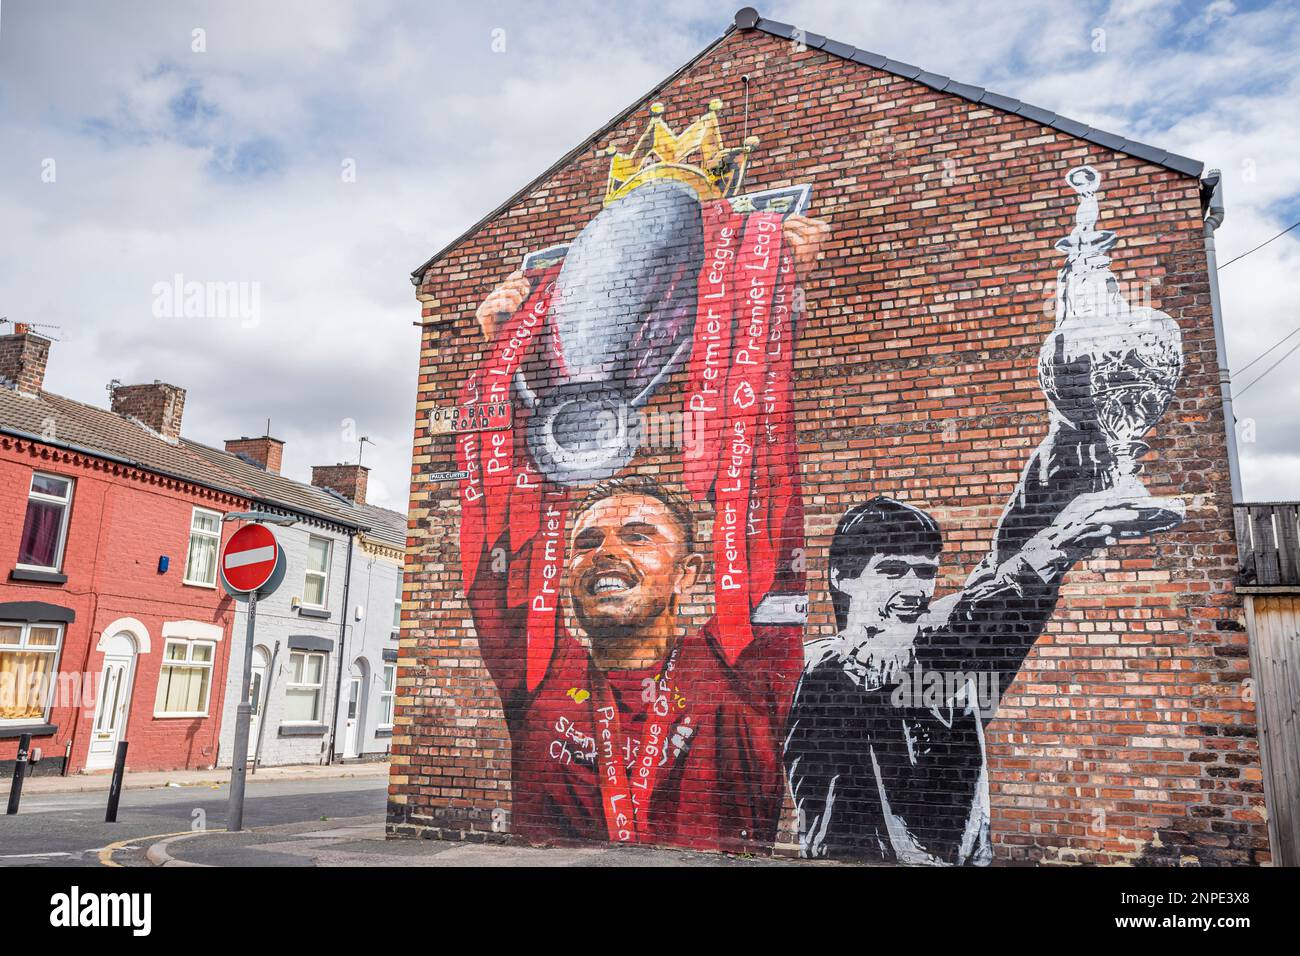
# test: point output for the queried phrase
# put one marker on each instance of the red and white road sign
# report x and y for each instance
(249, 559)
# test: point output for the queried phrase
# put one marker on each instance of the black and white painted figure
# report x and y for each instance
(885, 742)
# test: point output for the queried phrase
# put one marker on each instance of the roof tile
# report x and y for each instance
(63, 422)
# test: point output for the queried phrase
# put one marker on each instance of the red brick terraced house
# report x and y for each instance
(110, 613)
(846, 474)
(112, 623)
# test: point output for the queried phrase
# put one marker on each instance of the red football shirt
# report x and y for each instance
(719, 782)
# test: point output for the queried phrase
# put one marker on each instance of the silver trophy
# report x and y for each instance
(1107, 365)
(621, 321)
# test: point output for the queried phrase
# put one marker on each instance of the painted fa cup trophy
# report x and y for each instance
(1106, 362)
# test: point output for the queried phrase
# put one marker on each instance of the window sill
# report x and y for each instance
(37, 576)
(319, 613)
(302, 730)
(202, 716)
(383, 731)
(36, 730)
(200, 584)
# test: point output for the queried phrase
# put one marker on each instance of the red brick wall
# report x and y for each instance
(1127, 734)
(122, 520)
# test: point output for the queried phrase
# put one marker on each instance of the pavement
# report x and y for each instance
(297, 816)
(94, 782)
(360, 842)
(68, 828)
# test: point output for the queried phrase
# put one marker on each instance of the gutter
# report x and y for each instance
(325, 519)
(1214, 215)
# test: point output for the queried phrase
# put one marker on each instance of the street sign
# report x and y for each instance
(474, 417)
(249, 559)
(267, 589)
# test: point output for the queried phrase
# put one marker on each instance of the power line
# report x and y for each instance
(1260, 246)
(1255, 380)
(1267, 350)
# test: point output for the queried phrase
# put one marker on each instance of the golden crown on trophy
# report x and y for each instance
(661, 154)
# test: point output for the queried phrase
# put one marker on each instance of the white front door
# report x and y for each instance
(352, 734)
(257, 697)
(113, 702)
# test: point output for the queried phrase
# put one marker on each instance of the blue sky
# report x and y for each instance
(225, 164)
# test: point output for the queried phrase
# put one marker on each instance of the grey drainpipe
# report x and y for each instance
(343, 647)
(1213, 220)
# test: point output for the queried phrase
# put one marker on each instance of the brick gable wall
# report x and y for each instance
(1129, 732)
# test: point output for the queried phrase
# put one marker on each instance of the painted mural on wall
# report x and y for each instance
(885, 743)
(627, 721)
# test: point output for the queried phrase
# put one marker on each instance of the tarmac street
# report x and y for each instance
(293, 817)
(68, 828)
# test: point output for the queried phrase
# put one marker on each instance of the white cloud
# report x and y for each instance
(225, 166)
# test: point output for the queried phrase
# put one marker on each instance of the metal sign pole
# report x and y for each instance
(243, 715)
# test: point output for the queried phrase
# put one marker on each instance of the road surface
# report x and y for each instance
(68, 829)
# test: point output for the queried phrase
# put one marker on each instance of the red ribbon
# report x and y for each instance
(626, 799)
(546, 567)
(711, 348)
(490, 458)
(742, 547)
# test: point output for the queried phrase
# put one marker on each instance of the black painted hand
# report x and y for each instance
(1098, 518)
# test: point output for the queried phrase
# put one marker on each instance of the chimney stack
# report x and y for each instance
(158, 406)
(266, 451)
(23, 355)
(347, 480)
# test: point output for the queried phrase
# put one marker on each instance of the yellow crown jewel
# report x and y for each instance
(661, 154)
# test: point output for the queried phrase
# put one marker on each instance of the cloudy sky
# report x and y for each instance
(319, 151)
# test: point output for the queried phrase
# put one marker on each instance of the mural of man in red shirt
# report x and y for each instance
(635, 714)
(640, 730)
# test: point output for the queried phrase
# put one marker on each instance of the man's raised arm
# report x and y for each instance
(995, 620)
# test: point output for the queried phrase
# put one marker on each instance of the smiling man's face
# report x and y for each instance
(894, 590)
(628, 567)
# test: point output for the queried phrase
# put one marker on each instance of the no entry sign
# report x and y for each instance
(249, 559)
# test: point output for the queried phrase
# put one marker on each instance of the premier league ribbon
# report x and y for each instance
(711, 348)
(755, 275)
(626, 797)
(546, 567)
(490, 458)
